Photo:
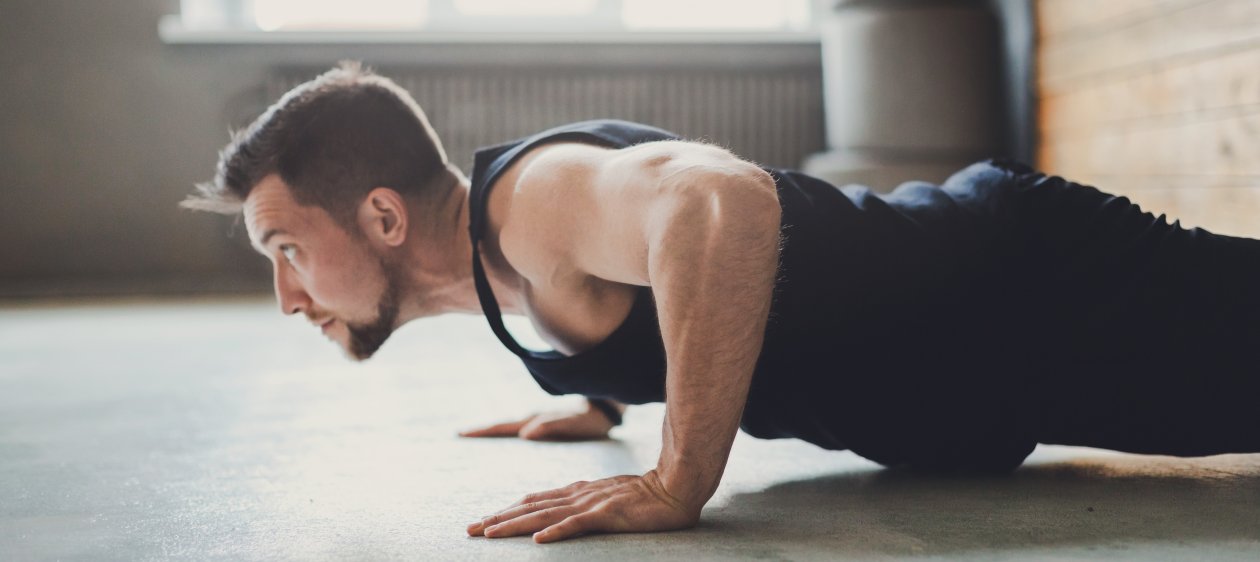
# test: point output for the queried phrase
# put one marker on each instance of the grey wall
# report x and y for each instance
(104, 128)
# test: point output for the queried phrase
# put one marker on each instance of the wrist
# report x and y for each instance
(607, 408)
(686, 485)
(682, 501)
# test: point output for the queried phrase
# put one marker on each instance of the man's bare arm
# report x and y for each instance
(702, 228)
(712, 269)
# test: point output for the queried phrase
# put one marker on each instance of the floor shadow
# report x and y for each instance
(1072, 503)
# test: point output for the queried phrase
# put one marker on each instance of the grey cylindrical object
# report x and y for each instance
(911, 78)
(881, 174)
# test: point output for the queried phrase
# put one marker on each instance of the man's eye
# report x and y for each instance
(288, 251)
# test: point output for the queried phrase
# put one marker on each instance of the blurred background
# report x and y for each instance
(113, 109)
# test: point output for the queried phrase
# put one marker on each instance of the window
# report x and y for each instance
(497, 16)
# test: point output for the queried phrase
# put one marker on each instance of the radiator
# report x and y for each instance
(769, 116)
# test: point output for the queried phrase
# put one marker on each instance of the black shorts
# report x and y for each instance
(1115, 329)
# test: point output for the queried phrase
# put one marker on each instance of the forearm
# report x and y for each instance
(714, 298)
(701, 421)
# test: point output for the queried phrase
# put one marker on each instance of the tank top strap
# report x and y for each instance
(489, 162)
(491, 306)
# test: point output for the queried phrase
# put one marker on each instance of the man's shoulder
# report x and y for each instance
(549, 203)
(577, 209)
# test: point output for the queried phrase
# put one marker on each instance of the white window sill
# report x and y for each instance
(174, 32)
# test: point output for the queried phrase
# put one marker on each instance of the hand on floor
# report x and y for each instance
(548, 426)
(621, 504)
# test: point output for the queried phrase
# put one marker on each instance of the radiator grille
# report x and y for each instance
(769, 116)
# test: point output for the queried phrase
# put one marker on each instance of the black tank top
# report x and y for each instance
(631, 360)
(874, 293)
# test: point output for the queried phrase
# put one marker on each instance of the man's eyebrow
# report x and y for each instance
(267, 236)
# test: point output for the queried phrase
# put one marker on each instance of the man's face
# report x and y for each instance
(331, 276)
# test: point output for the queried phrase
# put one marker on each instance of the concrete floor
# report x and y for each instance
(221, 430)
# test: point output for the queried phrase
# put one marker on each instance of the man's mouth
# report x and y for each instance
(325, 326)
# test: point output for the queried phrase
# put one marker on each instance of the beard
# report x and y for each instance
(368, 337)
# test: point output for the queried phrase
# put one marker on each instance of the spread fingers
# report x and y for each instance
(530, 522)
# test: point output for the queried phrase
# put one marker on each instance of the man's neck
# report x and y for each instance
(439, 279)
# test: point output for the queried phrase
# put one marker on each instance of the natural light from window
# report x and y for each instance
(522, 8)
(714, 14)
(521, 16)
(272, 15)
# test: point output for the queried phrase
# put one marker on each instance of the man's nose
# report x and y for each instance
(293, 299)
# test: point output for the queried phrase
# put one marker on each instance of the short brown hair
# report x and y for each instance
(332, 140)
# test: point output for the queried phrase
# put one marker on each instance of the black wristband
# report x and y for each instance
(607, 408)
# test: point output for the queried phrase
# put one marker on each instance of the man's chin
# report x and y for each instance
(350, 353)
(362, 340)
(360, 350)
(354, 351)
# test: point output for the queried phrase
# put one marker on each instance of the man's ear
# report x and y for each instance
(383, 217)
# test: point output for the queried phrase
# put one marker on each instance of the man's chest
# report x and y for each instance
(575, 314)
